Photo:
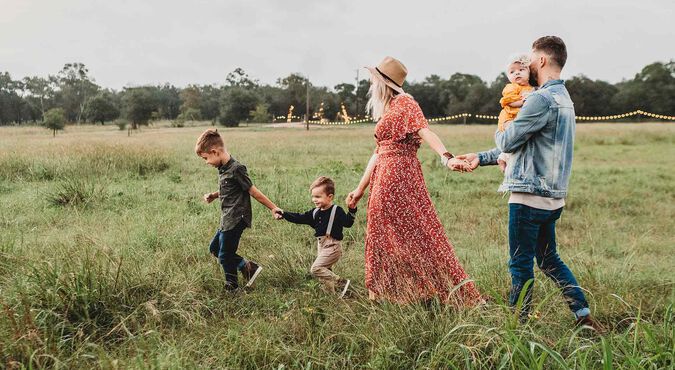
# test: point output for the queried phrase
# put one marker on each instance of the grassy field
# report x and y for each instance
(104, 256)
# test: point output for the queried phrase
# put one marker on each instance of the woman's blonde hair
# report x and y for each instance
(380, 97)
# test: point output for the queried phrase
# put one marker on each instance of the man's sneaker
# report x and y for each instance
(343, 286)
(250, 272)
(588, 321)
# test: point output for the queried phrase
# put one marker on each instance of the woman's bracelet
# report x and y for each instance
(445, 157)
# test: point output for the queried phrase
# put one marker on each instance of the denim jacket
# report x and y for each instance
(541, 142)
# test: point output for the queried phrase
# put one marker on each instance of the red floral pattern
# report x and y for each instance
(408, 255)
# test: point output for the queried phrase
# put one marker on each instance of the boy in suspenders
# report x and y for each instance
(328, 220)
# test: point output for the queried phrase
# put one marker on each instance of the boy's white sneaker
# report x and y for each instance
(251, 271)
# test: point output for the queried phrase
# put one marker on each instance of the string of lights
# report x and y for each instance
(490, 117)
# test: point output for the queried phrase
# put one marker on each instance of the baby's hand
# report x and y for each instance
(502, 165)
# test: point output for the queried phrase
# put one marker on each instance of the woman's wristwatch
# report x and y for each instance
(446, 157)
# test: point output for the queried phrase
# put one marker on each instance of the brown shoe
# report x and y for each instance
(250, 272)
(589, 322)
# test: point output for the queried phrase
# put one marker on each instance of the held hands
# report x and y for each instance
(470, 158)
(460, 165)
(210, 197)
(353, 198)
(277, 213)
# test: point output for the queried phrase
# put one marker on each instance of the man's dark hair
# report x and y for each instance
(554, 47)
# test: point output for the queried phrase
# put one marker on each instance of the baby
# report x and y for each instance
(513, 96)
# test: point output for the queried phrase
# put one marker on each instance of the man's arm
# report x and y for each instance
(531, 119)
(488, 157)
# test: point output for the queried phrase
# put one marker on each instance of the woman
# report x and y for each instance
(408, 256)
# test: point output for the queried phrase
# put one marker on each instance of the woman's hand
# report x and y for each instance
(460, 165)
(353, 198)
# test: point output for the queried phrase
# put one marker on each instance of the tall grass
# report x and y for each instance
(104, 260)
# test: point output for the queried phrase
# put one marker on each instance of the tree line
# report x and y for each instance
(72, 95)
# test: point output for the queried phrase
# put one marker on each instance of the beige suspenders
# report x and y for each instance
(330, 220)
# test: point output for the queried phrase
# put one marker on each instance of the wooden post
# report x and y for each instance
(307, 106)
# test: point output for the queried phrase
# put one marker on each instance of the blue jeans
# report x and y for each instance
(224, 246)
(532, 235)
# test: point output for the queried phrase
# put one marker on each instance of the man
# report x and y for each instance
(541, 140)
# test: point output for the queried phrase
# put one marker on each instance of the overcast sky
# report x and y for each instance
(147, 42)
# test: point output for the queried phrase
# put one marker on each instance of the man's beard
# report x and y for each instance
(534, 80)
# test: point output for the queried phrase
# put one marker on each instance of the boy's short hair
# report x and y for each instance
(554, 47)
(326, 182)
(208, 140)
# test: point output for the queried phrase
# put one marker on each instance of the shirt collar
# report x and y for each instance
(226, 166)
(552, 82)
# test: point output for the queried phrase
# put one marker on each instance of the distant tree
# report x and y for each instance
(346, 93)
(260, 114)
(295, 86)
(41, 90)
(168, 101)
(591, 98)
(138, 105)
(276, 98)
(239, 78)
(75, 88)
(55, 119)
(652, 90)
(102, 108)
(331, 103)
(236, 106)
(11, 102)
(493, 94)
(210, 102)
(190, 114)
(458, 87)
(191, 97)
(362, 97)
(430, 94)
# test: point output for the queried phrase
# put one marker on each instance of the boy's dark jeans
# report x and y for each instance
(532, 235)
(224, 245)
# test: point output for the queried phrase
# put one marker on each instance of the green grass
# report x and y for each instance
(104, 256)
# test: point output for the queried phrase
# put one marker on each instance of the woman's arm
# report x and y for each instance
(354, 197)
(437, 145)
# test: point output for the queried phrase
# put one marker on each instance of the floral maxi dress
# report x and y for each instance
(408, 256)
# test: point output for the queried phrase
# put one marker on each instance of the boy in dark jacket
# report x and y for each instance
(328, 220)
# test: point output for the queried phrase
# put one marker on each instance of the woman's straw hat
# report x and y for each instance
(392, 72)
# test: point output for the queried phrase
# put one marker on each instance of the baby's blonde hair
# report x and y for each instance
(521, 58)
